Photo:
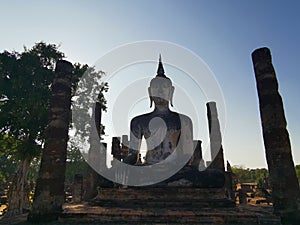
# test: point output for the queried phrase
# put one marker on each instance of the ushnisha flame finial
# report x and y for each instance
(160, 69)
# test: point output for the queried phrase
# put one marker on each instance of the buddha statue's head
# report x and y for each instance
(161, 89)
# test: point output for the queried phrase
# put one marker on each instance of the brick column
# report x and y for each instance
(284, 183)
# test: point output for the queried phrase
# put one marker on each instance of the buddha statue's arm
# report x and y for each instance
(135, 142)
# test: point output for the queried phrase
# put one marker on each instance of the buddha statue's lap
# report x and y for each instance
(168, 135)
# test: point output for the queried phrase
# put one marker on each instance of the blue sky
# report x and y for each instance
(222, 33)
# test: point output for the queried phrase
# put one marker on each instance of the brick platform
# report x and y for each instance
(165, 206)
(84, 213)
(162, 198)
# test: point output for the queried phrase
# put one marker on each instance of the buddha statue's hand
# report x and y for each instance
(131, 159)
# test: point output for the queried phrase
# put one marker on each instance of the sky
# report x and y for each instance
(222, 33)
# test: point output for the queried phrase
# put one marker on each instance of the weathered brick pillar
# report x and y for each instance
(229, 182)
(49, 193)
(197, 155)
(77, 188)
(125, 147)
(116, 148)
(284, 183)
(215, 137)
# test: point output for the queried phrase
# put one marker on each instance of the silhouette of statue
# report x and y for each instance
(161, 128)
(168, 135)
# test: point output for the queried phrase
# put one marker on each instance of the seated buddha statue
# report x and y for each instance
(168, 135)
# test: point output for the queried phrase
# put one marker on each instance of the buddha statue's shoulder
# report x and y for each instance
(141, 119)
(173, 117)
(185, 120)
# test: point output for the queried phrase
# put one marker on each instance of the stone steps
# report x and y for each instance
(122, 215)
(179, 198)
(160, 205)
(170, 204)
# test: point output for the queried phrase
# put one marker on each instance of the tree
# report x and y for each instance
(25, 79)
(76, 164)
(246, 175)
(8, 163)
(25, 83)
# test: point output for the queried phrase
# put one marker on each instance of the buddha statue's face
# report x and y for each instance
(161, 91)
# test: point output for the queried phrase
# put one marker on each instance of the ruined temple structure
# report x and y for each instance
(178, 135)
(284, 183)
(216, 148)
(193, 184)
(193, 195)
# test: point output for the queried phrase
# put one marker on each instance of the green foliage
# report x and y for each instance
(8, 163)
(25, 91)
(76, 164)
(246, 175)
(33, 170)
(25, 80)
(8, 167)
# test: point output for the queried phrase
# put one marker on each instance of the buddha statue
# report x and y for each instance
(162, 127)
(168, 135)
